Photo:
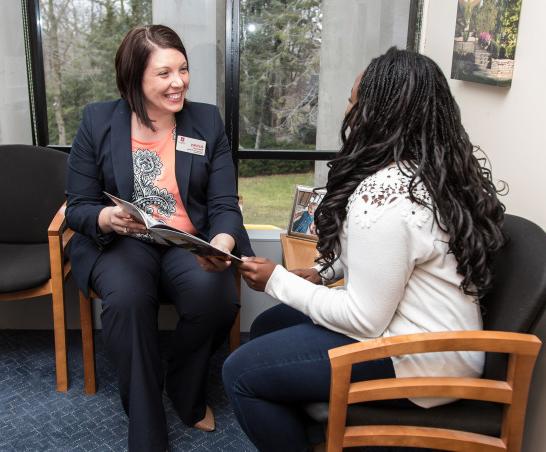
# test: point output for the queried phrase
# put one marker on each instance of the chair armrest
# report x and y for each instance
(58, 223)
(487, 341)
(58, 228)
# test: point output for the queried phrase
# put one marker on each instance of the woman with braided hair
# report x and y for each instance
(411, 220)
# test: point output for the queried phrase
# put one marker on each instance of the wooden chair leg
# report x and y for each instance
(59, 331)
(235, 334)
(59, 322)
(88, 348)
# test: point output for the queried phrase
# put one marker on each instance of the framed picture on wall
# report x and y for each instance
(302, 219)
(484, 48)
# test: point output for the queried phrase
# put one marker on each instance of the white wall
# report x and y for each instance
(507, 123)
(264, 243)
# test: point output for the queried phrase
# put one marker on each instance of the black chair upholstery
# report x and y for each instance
(466, 415)
(515, 304)
(23, 266)
(518, 297)
(32, 183)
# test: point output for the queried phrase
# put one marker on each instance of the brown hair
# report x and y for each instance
(131, 60)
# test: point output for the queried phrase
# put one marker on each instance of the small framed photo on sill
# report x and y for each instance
(302, 219)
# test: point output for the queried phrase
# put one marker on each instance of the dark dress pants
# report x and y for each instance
(283, 366)
(129, 277)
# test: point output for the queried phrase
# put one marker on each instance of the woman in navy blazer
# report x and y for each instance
(130, 275)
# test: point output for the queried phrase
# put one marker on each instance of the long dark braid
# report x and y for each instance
(406, 114)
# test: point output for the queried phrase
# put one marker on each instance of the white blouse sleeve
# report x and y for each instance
(383, 244)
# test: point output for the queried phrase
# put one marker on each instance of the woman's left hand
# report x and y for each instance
(224, 242)
(256, 271)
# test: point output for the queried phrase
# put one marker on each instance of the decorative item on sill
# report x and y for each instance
(302, 219)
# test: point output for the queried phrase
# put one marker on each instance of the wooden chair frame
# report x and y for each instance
(512, 392)
(58, 237)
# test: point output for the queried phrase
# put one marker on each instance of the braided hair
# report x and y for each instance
(405, 113)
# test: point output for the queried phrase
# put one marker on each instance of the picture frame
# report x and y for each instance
(485, 41)
(306, 200)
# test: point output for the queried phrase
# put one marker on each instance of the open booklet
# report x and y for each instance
(163, 234)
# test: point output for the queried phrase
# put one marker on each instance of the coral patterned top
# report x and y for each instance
(155, 187)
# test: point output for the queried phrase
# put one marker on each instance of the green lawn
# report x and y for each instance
(268, 199)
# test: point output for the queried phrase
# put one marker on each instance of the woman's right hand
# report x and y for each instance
(310, 274)
(114, 219)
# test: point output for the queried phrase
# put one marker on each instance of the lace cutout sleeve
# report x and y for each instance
(383, 190)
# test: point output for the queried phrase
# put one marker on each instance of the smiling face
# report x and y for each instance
(165, 82)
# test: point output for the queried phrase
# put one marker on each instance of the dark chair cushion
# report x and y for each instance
(23, 266)
(518, 295)
(466, 415)
(32, 184)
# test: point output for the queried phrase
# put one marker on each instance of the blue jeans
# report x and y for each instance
(282, 367)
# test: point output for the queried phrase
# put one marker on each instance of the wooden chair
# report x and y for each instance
(32, 259)
(512, 391)
(491, 414)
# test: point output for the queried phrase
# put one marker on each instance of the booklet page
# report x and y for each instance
(167, 235)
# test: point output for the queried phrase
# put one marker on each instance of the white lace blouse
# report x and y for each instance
(399, 279)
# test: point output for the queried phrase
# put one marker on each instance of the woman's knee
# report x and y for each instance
(129, 303)
(256, 361)
(276, 318)
(129, 318)
(234, 370)
(213, 299)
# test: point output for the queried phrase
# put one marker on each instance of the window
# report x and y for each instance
(267, 187)
(298, 62)
(289, 66)
(80, 39)
(279, 73)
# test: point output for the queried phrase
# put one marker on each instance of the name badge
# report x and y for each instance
(191, 145)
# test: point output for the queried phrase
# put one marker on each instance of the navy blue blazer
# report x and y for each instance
(101, 160)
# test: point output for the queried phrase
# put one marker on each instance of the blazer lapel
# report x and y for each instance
(120, 146)
(183, 160)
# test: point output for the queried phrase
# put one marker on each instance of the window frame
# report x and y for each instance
(35, 72)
